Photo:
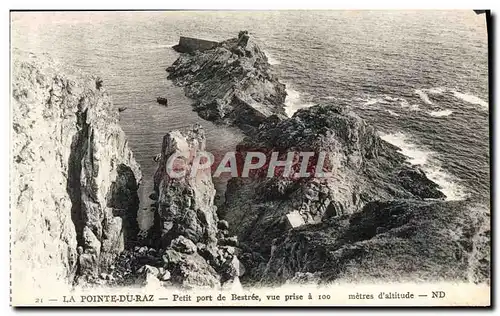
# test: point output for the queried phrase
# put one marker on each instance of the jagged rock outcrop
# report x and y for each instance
(363, 167)
(373, 217)
(232, 83)
(397, 241)
(187, 242)
(74, 180)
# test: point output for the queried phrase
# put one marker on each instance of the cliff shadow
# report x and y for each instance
(123, 198)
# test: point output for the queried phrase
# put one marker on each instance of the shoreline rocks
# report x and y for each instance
(232, 83)
(396, 241)
(162, 101)
(376, 216)
(187, 240)
(74, 179)
(368, 175)
(363, 168)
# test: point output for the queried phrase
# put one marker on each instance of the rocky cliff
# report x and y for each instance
(232, 83)
(396, 241)
(363, 168)
(198, 250)
(374, 206)
(374, 216)
(74, 180)
(188, 246)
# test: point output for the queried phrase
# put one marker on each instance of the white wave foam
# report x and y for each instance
(441, 113)
(166, 45)
(293, 102)
(271, 60)
(420, 156)
(389, 98)
(471, 99)
(423, 96)
(402, 102)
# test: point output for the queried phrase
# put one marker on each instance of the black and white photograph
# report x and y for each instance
(250, 158)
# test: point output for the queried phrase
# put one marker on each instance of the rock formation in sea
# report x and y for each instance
(187, 242)
(74, 179)
(232, 83)
(374, 206)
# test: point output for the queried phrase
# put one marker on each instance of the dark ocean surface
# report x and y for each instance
(420, 77)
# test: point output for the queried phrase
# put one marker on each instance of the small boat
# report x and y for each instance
(121, 109)
(162, 101)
